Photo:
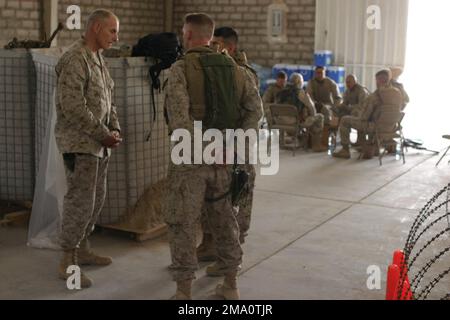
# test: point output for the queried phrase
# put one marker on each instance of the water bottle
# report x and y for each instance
(398, 151)
(330, 145)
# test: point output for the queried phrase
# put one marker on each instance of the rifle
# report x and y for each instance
(31, 44)
(417, 145)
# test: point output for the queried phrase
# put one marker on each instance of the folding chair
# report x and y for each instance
(387, 128)
(446, 136)
(286, 118)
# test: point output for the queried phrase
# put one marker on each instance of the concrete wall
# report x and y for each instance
(249, 18)
(137, 17)
(23, 19)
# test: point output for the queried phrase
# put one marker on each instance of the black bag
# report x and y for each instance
(165, 48)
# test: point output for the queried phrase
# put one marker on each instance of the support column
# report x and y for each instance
(168, 16)
(50, 18)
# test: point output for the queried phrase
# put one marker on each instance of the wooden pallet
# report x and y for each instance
(139, 235)
(17, 218)
(15, 213)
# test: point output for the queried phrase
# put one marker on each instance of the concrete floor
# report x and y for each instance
(317, 225)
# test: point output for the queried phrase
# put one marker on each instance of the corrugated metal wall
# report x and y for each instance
(341, 26)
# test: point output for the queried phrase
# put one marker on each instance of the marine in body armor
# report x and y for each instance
(226, 38)
(309, 119)
(191, 185)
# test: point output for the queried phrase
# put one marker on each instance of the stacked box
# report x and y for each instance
(323, 58)
(290, 69)
(17, 91)
(306, 71)
(336, 73)
(277, 68)
(136, 164)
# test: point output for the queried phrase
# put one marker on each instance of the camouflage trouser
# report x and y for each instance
(354, 111)
(245, 206)
(186, 197)
(326, 110)
(349, 122)
(314, 123)
(86, 192)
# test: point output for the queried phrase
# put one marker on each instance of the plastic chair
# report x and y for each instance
(387, 128)
(285, 118)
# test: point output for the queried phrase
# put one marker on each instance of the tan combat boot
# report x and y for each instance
(87, 257)
(317, 143)
(70, 258)
(228, 290)
(183, 290)
(344, 153)
(206, 250)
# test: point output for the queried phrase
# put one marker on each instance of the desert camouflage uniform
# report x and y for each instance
(85, 116)
(325, 95)
(269, 97)
(312, 120)
(309, 118)
(190, 185)
(400, 87)
(353, 101)
(372, 108)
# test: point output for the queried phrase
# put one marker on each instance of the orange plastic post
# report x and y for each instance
(399, 258)
(393, 278)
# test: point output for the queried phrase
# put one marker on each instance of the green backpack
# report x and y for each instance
(222, 104)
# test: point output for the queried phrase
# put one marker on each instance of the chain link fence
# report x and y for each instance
(17, 94)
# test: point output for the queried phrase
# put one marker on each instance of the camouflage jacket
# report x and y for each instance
(84, 108)
(271, 93)
(400, 87)
(241, 59)
(182, 109)
(325, 92)
(178, 103)
(355, 96)
(374, 105)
